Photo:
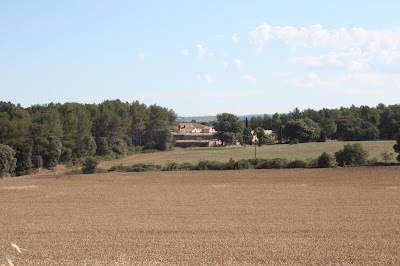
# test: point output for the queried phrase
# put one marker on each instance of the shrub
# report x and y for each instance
(89, 165)
(297, 164)
(186, 166)
(312, 162)
(352, 154)
(243, 164)
(295, 141)
(326, 160)
(118, 146)
(387, 155)
(276, 163)
(171, 166)
(373, 160)
(209, 165)
(141, 167)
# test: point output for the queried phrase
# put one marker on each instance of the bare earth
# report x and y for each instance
(291, 216)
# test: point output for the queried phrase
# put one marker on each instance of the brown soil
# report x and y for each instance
(306, 216)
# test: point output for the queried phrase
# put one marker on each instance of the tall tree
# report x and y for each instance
(229, 128)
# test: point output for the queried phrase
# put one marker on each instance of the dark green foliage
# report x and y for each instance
(37, 161)
(247, 136)
(90, 165)
(326, 160)
(186, 166)
(328, 127)
(209, 165)
(118, 146)
(263, 139)
(229, 127)
(304, 130)
(8, 162)
(102, 147)
(351, 154)
(66, 156)
(157, 134)
(396, 146)
(23, 148)
(171, 166)
(275, 163)
(297, 164)
(51, 151)
(136, 168)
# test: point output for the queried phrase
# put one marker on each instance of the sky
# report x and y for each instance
(202, 57)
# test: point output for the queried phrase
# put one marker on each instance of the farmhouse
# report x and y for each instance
(194, 135)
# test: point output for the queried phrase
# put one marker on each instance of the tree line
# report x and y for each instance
(354, 123)
(45, 135)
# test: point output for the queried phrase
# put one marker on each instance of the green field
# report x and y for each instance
(301, 151)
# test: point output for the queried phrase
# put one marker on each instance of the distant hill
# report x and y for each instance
(211, 118)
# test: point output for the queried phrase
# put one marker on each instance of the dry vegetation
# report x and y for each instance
(301, 151)
(306, 216)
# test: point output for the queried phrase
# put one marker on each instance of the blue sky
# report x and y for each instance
(202, 57)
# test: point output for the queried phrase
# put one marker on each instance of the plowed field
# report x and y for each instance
(291, 216)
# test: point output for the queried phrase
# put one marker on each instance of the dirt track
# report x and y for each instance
(306, 216)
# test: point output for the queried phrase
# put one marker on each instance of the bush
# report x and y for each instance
(326, 160)
(141, 167)
(295, 141)
(186, 166)
(387, 155)
(352, 154)
(171, 166)
(276, 163)
(243, 164)
(90, 165)
(373, 160)
(297, 164)
(209, 165)
(118, 146)
(312, 162)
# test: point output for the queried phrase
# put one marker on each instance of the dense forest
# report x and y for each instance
(45, 135)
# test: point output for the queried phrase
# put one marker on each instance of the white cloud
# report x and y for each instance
(219, 36)
(262, 34)
(201, 51)
(140, 55)
(225, 65)
(235, 37)
(237, 63)
(317, 36)
(353, 59)
(185, 52)
(210, 54)
(355, 49)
